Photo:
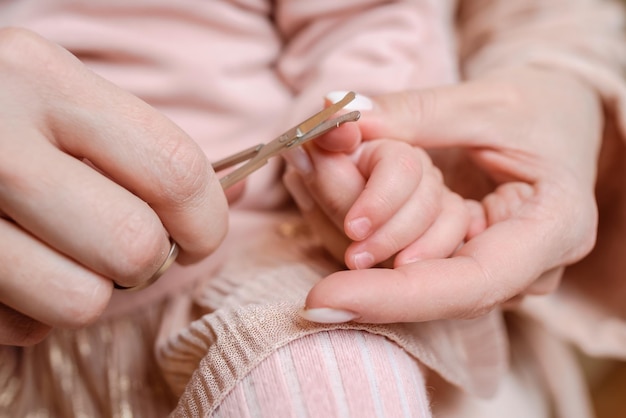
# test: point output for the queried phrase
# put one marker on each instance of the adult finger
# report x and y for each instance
(547, 283)
(480, 276)
(45, 285)
(510, 112)
(438, 117)
(494, 266)
(79, 212)
(17, 329)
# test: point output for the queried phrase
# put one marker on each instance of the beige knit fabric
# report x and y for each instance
(255, 304)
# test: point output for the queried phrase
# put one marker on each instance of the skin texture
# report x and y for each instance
(92, 183)
(532, 173)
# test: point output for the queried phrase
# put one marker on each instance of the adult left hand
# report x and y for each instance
(535, 135)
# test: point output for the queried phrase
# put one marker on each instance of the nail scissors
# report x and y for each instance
(257, 156)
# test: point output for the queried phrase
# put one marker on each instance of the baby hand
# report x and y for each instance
(387, 198)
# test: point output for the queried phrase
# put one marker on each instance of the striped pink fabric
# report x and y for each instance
(342, 373)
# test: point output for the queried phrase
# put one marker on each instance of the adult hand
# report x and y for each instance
(535, 134)
(93, 182)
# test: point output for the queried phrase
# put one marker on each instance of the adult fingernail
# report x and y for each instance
(327, 315)
(360, 101)
(300, 160)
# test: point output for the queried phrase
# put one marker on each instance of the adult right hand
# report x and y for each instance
(93, 182)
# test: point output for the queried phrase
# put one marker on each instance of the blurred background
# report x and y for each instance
(608, 387)
(608, 383)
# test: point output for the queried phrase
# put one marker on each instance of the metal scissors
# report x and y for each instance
(257, 156)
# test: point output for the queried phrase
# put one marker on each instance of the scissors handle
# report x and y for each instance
(236, 158)
(242, 172)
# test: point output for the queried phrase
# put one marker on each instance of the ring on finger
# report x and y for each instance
(169, 260)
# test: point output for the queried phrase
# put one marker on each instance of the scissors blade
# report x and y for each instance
(237, 158)
(259, 155)
(324, 114)
(324, 127)
(294, 135)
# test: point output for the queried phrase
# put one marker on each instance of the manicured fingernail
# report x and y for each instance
(360, 228)
(300, 160)
(363, 260)
(327, 315)
(360, 102)
(298, 193)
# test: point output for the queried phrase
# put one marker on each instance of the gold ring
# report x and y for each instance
(171, 257)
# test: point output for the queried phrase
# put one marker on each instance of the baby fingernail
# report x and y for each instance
(297, 192)
(360, 101)
(359, 228)
(300, 160)
(327, 315)
(363, 260)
